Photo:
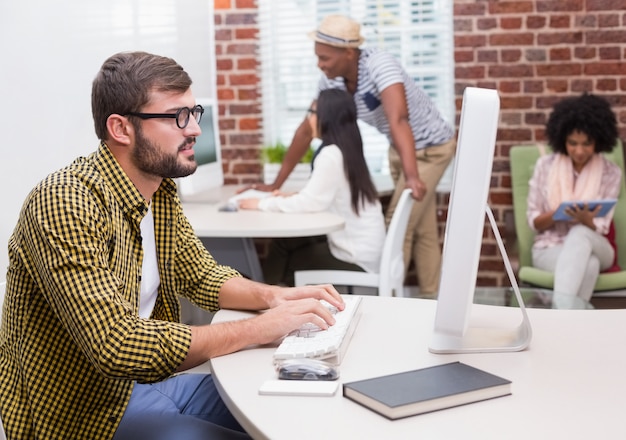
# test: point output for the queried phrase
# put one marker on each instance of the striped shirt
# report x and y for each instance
(379, 70)
(538, 200)
(71, 341)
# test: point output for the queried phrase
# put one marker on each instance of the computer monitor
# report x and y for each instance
(208, 154)
(464, 233)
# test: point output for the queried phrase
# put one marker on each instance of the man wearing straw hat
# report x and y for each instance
(422, 144)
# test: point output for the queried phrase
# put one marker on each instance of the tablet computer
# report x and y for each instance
(605, 207)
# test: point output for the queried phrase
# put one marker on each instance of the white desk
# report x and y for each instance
(570, 384)
(228, 235)
(383, 183)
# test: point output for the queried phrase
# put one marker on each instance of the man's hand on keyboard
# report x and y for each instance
(326, 292)
(310, 341)
(285, 309)
(291, 315)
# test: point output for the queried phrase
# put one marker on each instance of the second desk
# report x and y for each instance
(229, 235)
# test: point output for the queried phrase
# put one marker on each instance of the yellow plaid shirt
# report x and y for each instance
(71, 341)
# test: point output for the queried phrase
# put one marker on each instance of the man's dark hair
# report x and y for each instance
(124, 83)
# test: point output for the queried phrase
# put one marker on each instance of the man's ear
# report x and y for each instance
(352, 53)
(120, 129)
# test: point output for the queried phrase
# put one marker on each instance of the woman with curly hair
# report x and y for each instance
(576, 250)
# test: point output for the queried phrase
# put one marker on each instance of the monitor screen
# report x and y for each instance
(207, 152)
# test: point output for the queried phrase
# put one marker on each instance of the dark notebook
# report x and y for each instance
(425, 390)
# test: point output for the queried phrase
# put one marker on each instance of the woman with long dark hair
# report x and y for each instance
(340, 183)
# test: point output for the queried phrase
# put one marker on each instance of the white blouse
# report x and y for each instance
(361, 241)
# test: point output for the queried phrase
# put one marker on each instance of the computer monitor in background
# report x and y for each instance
(208, 154)
(464, 233)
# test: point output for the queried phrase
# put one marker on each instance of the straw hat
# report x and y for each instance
(338, 31)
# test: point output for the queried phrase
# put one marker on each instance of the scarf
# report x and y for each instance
(564, 187)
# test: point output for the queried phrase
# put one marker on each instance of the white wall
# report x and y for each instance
(50, 52)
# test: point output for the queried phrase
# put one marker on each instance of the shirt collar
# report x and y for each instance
(122, 187)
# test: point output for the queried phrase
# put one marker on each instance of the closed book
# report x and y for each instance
(428, 389)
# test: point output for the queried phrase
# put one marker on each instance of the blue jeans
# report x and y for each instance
(183, 407)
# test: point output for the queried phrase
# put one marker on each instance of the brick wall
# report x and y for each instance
(238, 89)
(533, 52)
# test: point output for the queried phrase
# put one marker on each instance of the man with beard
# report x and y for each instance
(90, 341)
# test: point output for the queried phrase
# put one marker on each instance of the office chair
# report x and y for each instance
(523, 158)
(390, 277)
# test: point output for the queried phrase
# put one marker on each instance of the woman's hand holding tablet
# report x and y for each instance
(605, 207)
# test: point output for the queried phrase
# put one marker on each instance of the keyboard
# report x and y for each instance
(309, 341)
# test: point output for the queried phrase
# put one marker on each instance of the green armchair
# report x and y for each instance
(523, 158)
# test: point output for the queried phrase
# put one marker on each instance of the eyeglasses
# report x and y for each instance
(182, 115)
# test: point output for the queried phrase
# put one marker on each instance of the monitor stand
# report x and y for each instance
(489, 339)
